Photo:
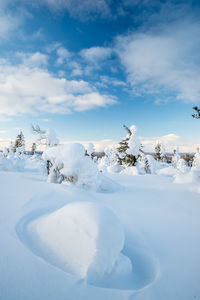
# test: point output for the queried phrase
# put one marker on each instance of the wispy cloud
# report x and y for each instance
(163, 61)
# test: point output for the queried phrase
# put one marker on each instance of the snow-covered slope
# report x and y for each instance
(161, 226)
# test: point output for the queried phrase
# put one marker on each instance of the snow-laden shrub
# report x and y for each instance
(175, 157)
(196, 161)
(89, 149)
(181, 165)
(109, 162)
(5, 163)
(69, 163)
(5, 152)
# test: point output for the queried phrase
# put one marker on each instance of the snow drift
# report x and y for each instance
(90, 227)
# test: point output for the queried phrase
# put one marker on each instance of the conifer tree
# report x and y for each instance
(129, 148)
(158, 151)
(20, 141)
(33, 148)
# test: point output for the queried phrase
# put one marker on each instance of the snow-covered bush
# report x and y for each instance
(69, 163)
(46, 137)
(181, 165)
(196, 161)
(89, 149)
(5, 163)
(175, 157)
(109, 162)
(5, 152)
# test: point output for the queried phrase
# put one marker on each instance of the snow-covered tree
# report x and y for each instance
(159, 152)
(175, 157)
(11, 151)
(196, 161)
(50, 137)
(46, 137)
(89, 149)
(20, 141)
(181, 165)
(129, 148)
(143, 164)
(33, 148)
(5, 151)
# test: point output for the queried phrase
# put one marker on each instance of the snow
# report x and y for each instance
(60, 241)
(76, 167)
(134, 142)
(90, 227)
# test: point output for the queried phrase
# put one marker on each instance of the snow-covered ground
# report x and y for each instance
(63, 242)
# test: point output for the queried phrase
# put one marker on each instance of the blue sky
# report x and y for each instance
(85, 68)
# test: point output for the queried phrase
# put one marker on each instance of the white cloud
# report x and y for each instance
(96, 55)
(163, 61)
(112, 81)
(63, 55)
(36, 59)
(79, 8)
(26, 88)
(8, 24)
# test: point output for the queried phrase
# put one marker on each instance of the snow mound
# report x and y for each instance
(130, 171)
(168, 171)
(84, 239)
(191, 177)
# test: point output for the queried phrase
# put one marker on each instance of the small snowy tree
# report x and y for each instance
(143, 164)
(175, 157)
(129, 148)
(11, 151)
(159, 152)
(181, 165)
(46, 137)
(20, 141)
(196, 161)
(33, 148)
(5, 152)
(89, 149)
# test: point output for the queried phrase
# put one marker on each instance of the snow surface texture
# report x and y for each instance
(161, 225)
(92, 228)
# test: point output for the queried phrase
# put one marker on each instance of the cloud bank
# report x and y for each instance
(29, 87)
